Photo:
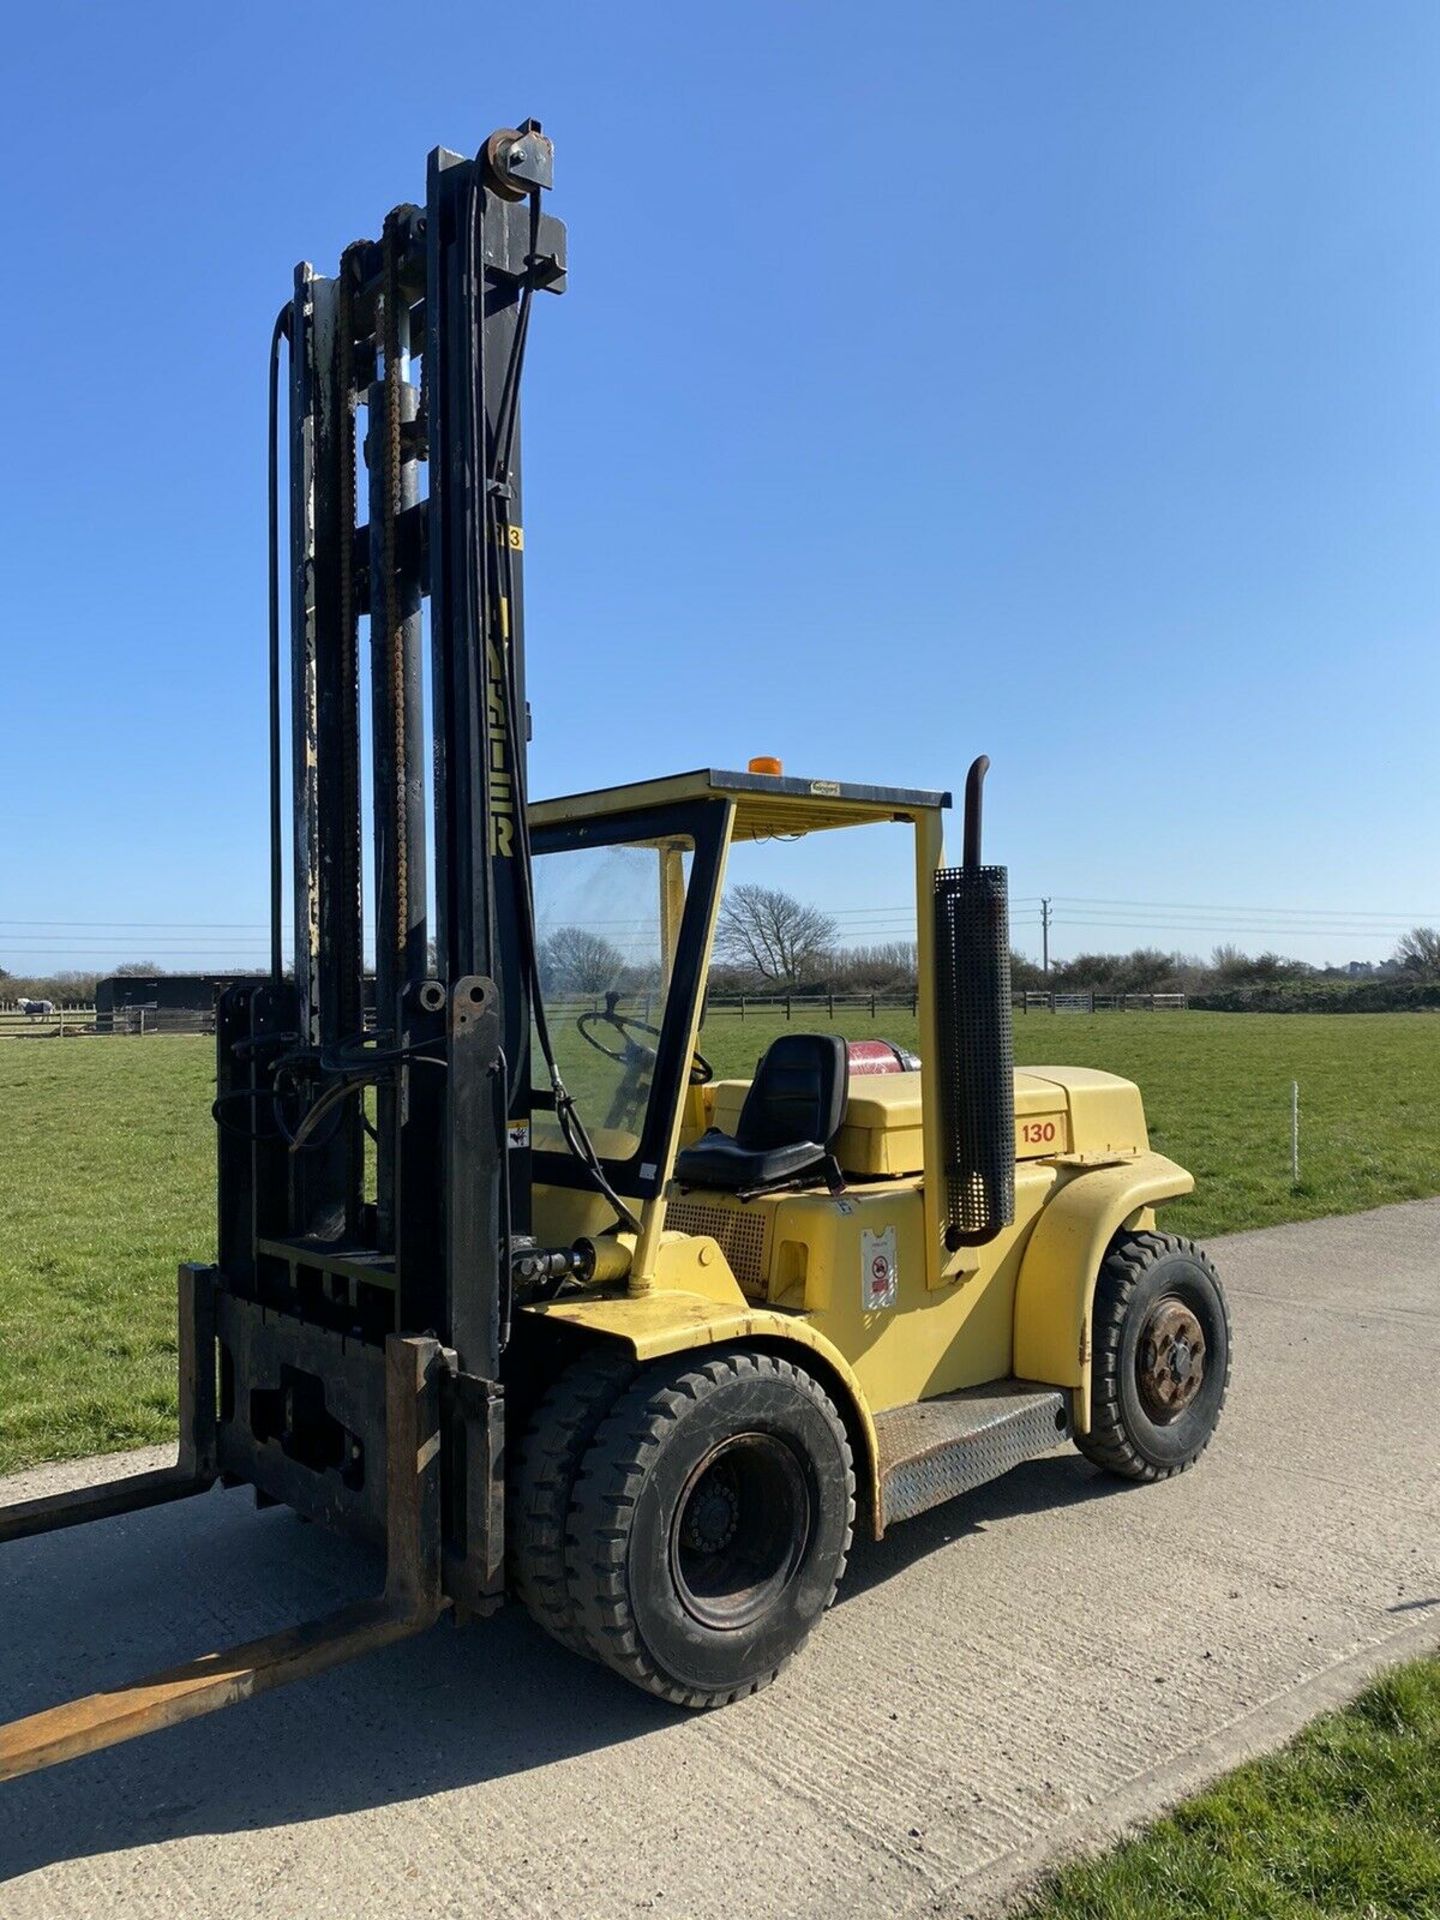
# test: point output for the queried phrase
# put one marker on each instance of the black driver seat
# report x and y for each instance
(788, 1124)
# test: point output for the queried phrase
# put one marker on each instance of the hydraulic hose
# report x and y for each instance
(284, 330)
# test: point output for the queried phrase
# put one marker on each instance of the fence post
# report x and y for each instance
(787, 1006)
(142, 1023)
(830, 1006)
(742, 1006)
(872, 1003)
(1295, 1131)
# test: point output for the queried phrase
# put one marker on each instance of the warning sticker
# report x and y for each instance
(519, 1132)
(877, 1268)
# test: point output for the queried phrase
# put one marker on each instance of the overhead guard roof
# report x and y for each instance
(766, 804)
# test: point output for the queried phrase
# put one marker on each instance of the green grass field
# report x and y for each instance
(1341, 1823)
(106, 1181)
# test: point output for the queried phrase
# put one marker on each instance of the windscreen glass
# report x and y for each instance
(607, 919)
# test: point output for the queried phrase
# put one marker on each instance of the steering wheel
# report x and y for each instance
(632, 1052)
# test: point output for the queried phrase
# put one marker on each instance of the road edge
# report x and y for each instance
(1005, 1884)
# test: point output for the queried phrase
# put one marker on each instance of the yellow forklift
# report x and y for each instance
(506, 1281)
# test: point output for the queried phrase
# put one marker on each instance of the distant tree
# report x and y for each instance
(139, 970)
(1419, 953)
(772, 934)
(887, 967)
(1270, 968)
(1231, 964)
(65, 989)
(1235, 968)
(1026, 975)
(574, 960)
(1148, 970)
(1087, 970)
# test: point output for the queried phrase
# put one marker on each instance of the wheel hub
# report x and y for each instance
(741, 1527)
(1170, 1360)
(712, 1516)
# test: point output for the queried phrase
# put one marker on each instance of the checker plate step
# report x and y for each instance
(936, 1449)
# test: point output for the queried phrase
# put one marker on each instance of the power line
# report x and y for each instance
(240, 926)
(1231, 928)
(1180, 906)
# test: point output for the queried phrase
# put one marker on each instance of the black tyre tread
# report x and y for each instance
(542, 1479)
(1107, 1443)
(607, 1489)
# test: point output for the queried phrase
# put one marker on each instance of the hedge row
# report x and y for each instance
(1335, 996)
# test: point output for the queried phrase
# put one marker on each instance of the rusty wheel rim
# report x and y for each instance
(1169, 1360)
(741, 1528)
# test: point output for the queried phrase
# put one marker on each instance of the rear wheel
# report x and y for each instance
(709, 1526)
(1161, 1357)
(542, 1480)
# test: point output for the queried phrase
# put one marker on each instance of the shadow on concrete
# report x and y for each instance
(1039, 1486)
(87, 1609)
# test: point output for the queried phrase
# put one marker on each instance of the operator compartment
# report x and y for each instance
(815, 1128)
(882, 1135)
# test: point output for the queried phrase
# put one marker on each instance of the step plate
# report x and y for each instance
(936, 1449)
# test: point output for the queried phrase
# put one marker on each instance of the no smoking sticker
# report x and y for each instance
(877, 1268)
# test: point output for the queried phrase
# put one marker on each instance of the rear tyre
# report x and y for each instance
(542, 1479)
(710, 1524)
(1161, 1357)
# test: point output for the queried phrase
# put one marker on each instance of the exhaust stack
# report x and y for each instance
(977, 1051)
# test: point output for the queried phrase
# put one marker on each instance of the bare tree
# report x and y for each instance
(772, 934)
(1234, 967)
(574, 960)
(886, 967)
(1419, 952)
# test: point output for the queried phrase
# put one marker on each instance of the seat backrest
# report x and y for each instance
(799, 1093)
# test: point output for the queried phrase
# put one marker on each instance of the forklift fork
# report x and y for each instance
(410, 1601)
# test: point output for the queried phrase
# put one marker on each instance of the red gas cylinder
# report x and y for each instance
(880, 1056)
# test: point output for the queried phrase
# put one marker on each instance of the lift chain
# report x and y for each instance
(390, 300)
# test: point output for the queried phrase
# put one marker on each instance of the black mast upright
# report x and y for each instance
(424, 329)
(489, 248)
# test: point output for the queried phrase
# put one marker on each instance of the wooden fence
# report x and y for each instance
(1088, 1002)
(69, 1023)
(810, 1006)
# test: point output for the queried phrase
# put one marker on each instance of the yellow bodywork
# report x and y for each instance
(697, 1303)
(796, 1270)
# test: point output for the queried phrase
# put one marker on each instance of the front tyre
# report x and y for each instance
(709, 1526)
(542, 1479)
(1160, 1357)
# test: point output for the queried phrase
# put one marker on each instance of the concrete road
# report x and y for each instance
(1019, 1674)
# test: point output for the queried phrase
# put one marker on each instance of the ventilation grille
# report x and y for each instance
(977, 1056)
(740, 1231)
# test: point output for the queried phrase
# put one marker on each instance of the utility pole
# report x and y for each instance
(1045, 936)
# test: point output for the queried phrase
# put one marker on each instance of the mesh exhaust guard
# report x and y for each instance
(977, 1057)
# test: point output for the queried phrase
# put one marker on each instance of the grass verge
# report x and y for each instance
(1341, 1822)
(107, 1174)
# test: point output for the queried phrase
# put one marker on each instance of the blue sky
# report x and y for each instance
(1052, 378)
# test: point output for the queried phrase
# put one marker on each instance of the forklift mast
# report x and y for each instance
(359, 1338)
(424, 330)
